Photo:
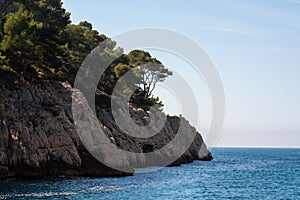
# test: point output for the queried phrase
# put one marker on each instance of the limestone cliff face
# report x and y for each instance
(38, 136)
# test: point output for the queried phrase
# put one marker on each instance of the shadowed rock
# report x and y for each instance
(38, 136)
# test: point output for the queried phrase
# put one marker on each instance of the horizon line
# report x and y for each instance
(258, 147)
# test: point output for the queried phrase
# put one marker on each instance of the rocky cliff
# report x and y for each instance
(38, 136)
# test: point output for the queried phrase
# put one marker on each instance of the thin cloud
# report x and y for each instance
(293, 1)
(228, 30)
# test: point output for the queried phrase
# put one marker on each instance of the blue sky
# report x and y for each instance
(255, 45)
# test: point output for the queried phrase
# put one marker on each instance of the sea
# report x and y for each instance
(235, 173)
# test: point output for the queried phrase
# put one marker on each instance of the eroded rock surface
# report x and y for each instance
(38, 136)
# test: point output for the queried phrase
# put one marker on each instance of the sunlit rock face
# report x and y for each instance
(38, 136)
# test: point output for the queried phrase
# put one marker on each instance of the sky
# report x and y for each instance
(255, 46)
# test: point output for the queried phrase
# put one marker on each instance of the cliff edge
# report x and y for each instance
(38, 136)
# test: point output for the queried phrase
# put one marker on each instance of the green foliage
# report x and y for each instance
(139, 57)
(37, 37)
(86, 25)
(3, 60)
(121, 69)
(150, 70)
(81, 40)
(18, 43)
(38, 41)
(145, 103)
(146, 73)
(50, 13)
(29, 44)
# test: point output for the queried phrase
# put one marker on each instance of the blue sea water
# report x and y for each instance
(234, 174)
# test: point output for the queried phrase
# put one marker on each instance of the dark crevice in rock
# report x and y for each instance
(38, 136)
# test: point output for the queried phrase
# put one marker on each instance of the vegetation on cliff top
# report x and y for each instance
(38, 41)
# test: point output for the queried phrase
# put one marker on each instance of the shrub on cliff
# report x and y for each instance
(37, 41)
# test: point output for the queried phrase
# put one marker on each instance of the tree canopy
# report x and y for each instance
(150, 70)
(38, 41)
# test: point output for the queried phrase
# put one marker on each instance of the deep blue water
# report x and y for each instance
(234, 174)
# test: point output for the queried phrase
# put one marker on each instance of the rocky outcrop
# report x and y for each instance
(38, 136)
